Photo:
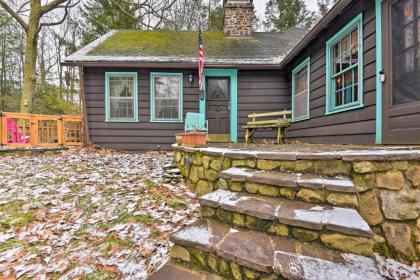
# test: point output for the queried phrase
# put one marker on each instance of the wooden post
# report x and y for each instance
(60, 138)
(33, 131)
(83, 98)
(2, 133)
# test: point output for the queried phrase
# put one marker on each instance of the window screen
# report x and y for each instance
(122, 96)
(406, 51)
(301, 91)
(167, 97)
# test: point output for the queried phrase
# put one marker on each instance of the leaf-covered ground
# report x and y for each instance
(87, 214)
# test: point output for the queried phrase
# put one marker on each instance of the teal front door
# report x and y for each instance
(220, 102)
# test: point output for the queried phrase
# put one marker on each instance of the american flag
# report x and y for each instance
(200, 59)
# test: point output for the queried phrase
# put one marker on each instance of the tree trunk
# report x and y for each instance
(29, 68)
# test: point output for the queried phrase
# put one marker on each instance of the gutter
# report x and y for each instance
(169, 65)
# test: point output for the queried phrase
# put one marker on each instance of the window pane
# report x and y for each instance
(348, 78)
(122, 108)
(338, 98)
(167, 91)
(302, 80)
(356, 92)
(301, 105)
(121, 86)
(338, 83)
(354, 47)
(345, 52)
(356, 75)
(218, 88)
(301, 94)
(336, 58)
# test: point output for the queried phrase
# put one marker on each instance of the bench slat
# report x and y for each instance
(268, 122)
(272, 114)
(267, 125)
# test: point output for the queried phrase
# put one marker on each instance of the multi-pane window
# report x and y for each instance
(344, 68)
(300, 91)
(406, 51)
(166, 97)
(121, 97)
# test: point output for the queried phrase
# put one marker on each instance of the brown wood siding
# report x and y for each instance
(258, 91)
(355, 126)
(142, 135)
(261, 92)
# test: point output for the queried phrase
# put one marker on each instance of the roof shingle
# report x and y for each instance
(181, 46)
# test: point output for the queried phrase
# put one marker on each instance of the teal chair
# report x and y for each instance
(196, 122)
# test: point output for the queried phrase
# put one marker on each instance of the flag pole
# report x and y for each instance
(200, 62)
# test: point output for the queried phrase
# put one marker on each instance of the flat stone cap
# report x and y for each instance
(310, 152)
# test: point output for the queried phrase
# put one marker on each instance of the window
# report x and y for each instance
(345, 68)
(166, 97)
(300, 91)
(121, 97)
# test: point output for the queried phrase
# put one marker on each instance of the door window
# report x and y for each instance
(218, 88)
(405, 51)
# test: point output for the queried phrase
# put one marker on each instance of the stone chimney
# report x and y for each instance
(238, 18)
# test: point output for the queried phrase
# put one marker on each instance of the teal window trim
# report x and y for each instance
(330, 107)
(379, 68)
(233, 74)
(136, 97)
(305, 64)
(180, 118)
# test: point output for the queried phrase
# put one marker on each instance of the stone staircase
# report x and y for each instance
(275, 224)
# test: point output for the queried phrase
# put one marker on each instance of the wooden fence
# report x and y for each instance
(30, 130)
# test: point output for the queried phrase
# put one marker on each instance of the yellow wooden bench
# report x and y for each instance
(279, 124)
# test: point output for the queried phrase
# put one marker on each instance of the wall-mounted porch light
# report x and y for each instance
(190, 78)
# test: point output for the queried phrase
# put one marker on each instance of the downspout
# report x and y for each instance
(379, 71)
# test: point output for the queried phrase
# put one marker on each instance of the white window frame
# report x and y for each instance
(108, 97)
(153, 118)
(306, 64)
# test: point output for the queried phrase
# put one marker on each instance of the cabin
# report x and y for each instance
(352, 79)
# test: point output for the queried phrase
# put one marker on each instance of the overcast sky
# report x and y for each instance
(260, 5)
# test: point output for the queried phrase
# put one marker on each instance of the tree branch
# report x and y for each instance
(51, 6)
(66, 12)
(14, 15)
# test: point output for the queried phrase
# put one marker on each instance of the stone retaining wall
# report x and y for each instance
(388, 199)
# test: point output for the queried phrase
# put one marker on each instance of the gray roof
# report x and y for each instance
(181, 47)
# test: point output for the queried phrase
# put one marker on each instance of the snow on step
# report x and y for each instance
(292, 180)
(237, 174)
(294, 213)
(201, 234)
(353, 267)
(289, 258)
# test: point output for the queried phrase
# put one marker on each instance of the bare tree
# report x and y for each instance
(32, 16)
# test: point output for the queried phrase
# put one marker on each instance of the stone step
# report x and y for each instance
(290, 180)
(270, 212)
(243, 254)
(172, 271)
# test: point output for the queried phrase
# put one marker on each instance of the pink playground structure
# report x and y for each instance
(16, 134)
